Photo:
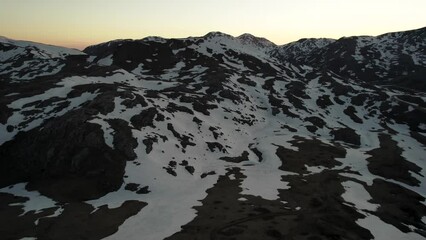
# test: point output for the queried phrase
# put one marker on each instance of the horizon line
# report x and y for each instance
(81, 46)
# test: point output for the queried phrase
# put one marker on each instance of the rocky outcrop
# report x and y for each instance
(66, 158)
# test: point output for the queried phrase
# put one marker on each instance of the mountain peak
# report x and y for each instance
(217, 34)
(3, 38)
(248, 38)
(154, 39)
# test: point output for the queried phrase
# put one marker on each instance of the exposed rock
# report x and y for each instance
(215, 145)
(351, 112)
(145, 118)
(66, 159)
(387, 162)
(80, 220)
(207, 174)
(132, 187)
(347, 135)
(123, 138)
(313, 153)
(398, 206)
(242, 158)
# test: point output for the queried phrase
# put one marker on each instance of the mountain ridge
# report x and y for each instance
(222, 33)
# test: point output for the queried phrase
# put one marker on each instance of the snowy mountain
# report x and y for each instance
(392, 58)
(214, 137)
(301, 50)
(22, 60)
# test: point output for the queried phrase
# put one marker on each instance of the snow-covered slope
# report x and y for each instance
(23, 60)
(210, 137)
(383, 59)
(300, 50)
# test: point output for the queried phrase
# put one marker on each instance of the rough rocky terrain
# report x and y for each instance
(214, 137)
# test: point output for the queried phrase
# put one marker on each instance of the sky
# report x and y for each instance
(79, 23)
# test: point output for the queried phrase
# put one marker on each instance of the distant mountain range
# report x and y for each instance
(214, 137)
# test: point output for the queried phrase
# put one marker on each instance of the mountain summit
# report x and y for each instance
(214, 137)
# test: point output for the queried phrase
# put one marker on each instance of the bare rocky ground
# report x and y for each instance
(312, 208)
(76, 220)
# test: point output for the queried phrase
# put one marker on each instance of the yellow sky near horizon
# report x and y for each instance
(78, 23)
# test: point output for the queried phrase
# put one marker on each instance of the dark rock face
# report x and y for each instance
(14, 223)
(313, 153)
(123, 142)
(384, 159)
(242, 158)
(78, 220)
(398, 206)
(351, 112)
(347, 135)
(134, 187)
(145, 118)
(215, 145)
(66, 159)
